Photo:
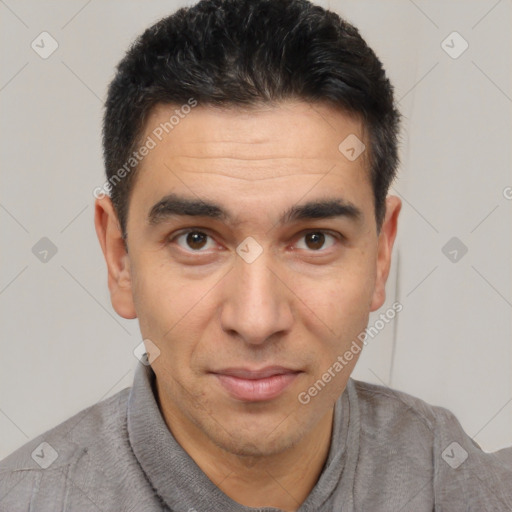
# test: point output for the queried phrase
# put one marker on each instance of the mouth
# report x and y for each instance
(256, 385)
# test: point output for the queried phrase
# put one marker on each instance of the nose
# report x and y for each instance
(257, 302)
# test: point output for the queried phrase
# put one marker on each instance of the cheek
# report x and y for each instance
(160, 296)
(158, 287)
(345, 294)
(346, 315)
(338, 309)
(173, 310)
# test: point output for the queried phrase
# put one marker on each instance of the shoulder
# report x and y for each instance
(381, 406)
(428, 443)
(90, 427)
(75, 446)
(396, 414)
(397, 438)
(395, 420)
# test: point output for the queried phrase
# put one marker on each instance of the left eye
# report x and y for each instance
(315, 240)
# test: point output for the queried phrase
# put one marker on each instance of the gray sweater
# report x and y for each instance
(389, 452)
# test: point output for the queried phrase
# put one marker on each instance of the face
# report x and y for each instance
(253, 263)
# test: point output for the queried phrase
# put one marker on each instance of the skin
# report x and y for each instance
(298, 305)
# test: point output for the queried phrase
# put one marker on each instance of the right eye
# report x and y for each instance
(192, 240)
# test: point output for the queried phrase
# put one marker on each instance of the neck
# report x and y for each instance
(282, 480)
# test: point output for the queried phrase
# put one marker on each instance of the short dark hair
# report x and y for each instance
(245, 53)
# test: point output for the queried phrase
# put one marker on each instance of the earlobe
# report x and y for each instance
(385, 247)
(117, 259)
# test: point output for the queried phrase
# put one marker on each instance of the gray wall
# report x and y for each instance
(62, 345)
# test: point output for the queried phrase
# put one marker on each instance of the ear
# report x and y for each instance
(385, 247)
(117, 259)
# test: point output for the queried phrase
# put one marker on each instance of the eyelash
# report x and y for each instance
(335, 235)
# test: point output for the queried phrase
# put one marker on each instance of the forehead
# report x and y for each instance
(251, 156)
(290, 131)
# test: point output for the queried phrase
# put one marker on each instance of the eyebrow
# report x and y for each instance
(174, 205)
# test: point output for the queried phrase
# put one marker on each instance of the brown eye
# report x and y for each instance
(193, 241)
(196, 240)
(315, 240)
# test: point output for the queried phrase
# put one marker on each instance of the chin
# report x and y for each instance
(252, 448)
(256, 442)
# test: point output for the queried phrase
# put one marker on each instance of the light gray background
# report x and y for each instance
(63, 347)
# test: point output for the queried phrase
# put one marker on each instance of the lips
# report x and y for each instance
(256, 385)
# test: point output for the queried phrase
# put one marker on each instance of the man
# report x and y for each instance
(249, 146)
